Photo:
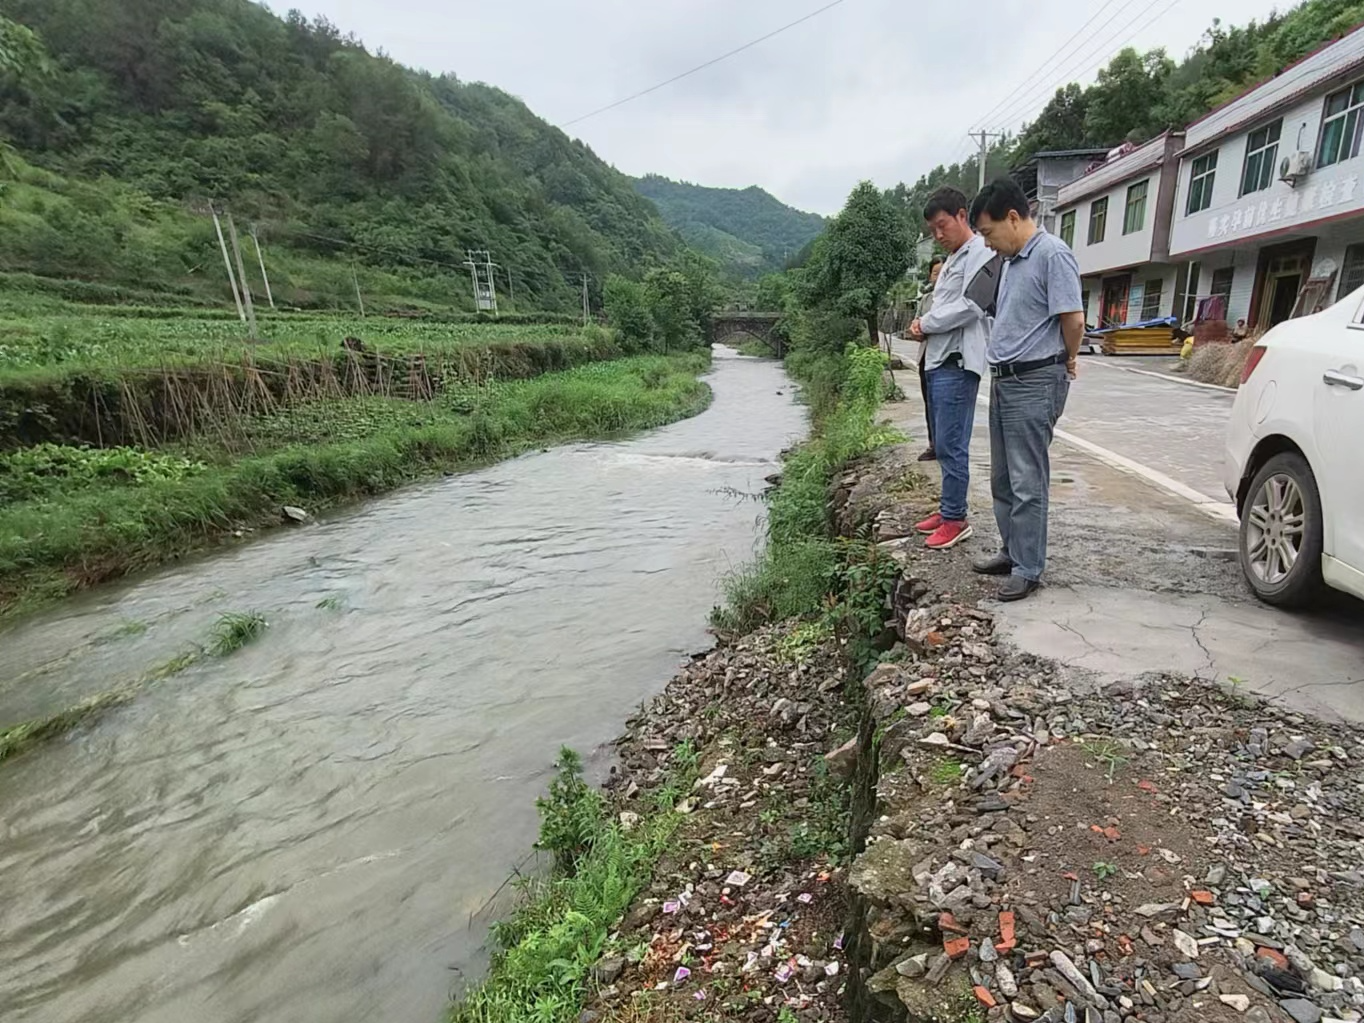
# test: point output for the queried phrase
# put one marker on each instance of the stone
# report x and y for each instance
(1301, 1010)
(1004, 977)
(1187, 946)
(914, 967)
(989, 868)
(842, 761)
(608, 970)
(1024, 1012)
(295, 514)
(918, 710)
(1078, 980)
(1238, 1002)
(1187, 971)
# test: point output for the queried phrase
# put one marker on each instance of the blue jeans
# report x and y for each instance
(952, 398)
(1023, 414)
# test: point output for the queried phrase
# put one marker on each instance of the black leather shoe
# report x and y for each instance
(928, 455)
(1016, 588)
(996, 564)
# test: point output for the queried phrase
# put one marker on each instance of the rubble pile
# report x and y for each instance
(1161, 851)
(745, 915)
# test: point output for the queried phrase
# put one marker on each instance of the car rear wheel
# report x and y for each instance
(1281, 533)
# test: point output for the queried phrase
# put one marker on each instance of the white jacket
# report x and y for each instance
(954, 323)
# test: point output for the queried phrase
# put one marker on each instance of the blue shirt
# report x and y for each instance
(1039, 284)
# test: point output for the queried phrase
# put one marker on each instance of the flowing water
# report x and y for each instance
(311, 829)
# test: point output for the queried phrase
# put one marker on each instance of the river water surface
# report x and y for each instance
(309, 830)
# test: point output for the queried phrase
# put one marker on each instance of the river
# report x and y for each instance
(310, 830)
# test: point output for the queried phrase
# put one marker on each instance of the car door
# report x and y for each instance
(1338, 426)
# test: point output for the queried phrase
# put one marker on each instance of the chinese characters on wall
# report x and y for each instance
(1315, 198)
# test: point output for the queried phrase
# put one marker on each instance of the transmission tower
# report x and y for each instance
(481, 267)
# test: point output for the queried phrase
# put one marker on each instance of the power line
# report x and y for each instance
(702, 67)
(1022, 103)
(1050, 61)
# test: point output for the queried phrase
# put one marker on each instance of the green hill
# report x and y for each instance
(748, 230)
(120, 121)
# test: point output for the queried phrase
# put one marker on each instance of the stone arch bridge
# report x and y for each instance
(732, 325)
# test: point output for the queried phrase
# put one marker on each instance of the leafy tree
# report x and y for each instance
(627, 309)
(1129, 98)
(865, 250)
(1060, 125)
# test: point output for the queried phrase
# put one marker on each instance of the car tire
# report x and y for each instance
(1294, 486)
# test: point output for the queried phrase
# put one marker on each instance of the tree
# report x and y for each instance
(1128, 98)
(627, 309)
(1060, 125)
(865, 250)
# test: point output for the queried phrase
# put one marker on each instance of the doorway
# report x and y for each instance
(1282, 273)
(1113, 303)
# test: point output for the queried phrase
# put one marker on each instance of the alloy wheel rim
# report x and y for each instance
(1276, 529)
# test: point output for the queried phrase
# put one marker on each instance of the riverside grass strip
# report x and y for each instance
(84, 529)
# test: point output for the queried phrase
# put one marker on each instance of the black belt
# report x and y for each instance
(1013, 369)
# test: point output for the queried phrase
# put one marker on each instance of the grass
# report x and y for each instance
(1109, 754)
(233, 631)
(801, 565)
(236, 629)
(945, 771)
(546, 950)
(85, 527)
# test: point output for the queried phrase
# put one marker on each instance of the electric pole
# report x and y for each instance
(587, 309)
(241, 273)
(260, 255)
(355, 279)
(227, 262)
(984, 137)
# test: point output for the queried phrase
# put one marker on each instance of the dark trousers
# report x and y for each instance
(923, 389)
(1023, 414)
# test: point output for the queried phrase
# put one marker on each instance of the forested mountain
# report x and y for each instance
(1140, 95)
(145, 108)
(748, 231)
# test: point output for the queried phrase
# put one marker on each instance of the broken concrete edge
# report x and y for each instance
(956, 728)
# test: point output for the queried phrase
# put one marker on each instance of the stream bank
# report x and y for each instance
(1014, 844)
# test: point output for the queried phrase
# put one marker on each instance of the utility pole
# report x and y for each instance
(241, 273)
(261, 256)
(511, 288)
(227, 262)
(355, 279)
(984, 137)
(587, 309)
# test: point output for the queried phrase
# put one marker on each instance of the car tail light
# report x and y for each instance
(1256, 354)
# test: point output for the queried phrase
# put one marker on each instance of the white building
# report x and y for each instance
(1270, 188)
(1116, 219)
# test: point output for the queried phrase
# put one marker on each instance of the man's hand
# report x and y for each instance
(916, 331)
(1072, 368)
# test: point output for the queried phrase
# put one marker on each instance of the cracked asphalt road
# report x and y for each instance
(1141, 581)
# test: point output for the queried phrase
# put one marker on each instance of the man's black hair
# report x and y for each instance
(936, 261)
(998, 198)
(947, 200)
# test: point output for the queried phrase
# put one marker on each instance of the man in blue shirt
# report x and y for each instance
(1038, 326)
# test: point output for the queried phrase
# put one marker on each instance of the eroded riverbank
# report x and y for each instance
(299, 832)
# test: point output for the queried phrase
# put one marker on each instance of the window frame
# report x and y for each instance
(1158, 284)
(1230, 272)
(1351, 118)
(1263, 156)
(1201, 183)
(1066, 229)
(1137, 203)
(1357, 250)
(1098, 212)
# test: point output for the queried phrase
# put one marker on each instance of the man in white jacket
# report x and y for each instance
(955, 332)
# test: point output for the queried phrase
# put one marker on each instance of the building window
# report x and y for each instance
(1352, 273)
(1191, 293)
(1098, 220)
(1222, 280)
(1150, 299)
(1201, 177)
(1341, 126)
(1068, 228)
(1262, 152)
(1134, 218)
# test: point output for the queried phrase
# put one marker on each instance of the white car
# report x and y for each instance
(1295, 457)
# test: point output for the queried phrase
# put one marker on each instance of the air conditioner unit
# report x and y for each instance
(1294, 167)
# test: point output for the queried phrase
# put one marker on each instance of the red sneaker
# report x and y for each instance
(930, 524)
(949, 534)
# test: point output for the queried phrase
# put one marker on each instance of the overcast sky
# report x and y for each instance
(868, 89)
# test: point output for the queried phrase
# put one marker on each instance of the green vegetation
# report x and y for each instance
(747, 231)
(1139, 95)
(80, 527)
(945, 771)
(1104, 870)
(235, 630)
(670, 310)
(547, 949)
(122, 120)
